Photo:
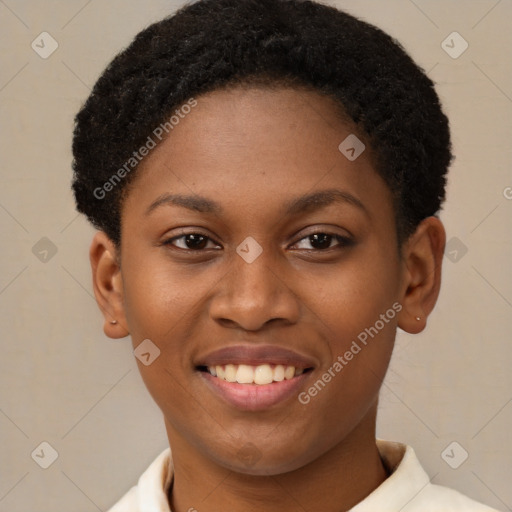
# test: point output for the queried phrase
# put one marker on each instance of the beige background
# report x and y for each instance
(65, 383)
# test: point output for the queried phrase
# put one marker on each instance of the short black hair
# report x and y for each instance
(214, 44)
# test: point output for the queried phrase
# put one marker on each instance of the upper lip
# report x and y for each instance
(255, 356)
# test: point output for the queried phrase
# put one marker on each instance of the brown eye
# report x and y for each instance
(321, 241)
(190, 241)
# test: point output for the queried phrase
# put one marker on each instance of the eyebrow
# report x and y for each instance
(303, 204)
(194, 202)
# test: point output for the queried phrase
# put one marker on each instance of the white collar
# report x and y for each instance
(403, 466)
(407, 489)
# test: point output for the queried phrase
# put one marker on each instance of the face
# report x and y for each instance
(252, 245)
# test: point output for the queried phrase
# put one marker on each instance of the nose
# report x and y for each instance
(253, 294)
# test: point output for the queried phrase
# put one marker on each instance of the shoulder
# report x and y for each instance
(409, 489)
(150, 493)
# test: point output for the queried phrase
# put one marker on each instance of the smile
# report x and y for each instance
(254, 377)
(255, 388)
(258, 375)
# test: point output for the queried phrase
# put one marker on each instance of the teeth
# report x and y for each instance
(263, 374)
(289, 372)
(245, 374)
(279, 373)
(231, 372)
(220, 372)
(259, 375)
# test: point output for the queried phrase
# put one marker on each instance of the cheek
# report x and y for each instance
(166, 305)
(159, 299)
(358, 314)
(358, 310)
(351, 296)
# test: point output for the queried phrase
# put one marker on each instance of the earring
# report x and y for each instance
(418, 318)
(113, 322)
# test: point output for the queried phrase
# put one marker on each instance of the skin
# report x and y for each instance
(252, 150)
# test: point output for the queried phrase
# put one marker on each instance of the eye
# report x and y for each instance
(190, 242)
(321, 241)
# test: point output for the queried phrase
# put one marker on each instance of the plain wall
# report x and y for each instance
(65, 383)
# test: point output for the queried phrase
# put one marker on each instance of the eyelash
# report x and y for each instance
(342, 241)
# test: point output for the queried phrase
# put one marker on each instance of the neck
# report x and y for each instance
(334, 482)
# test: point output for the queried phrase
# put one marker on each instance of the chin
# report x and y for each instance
(251, 460)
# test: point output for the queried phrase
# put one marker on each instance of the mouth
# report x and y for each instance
(256, 375)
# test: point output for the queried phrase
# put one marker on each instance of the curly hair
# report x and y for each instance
(215, 44)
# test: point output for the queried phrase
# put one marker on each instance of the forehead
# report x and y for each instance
(257, 147)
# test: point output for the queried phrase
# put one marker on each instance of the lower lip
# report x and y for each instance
(255, 397)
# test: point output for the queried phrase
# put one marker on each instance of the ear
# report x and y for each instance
(422, 258)
(108, 285)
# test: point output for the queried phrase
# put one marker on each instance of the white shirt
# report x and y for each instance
(407, 489)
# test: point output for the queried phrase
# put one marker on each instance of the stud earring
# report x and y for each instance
(113, 322)
(418, 318)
